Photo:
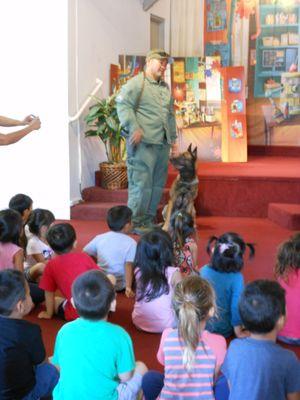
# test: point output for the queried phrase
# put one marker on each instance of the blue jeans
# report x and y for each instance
(287, 340)
(153, 383)
(46, 376)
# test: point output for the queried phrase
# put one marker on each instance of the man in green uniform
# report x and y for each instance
(145, 109)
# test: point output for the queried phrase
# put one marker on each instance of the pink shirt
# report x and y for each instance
(197, 382)
(155, 315)
(7, 252)
(291, 285)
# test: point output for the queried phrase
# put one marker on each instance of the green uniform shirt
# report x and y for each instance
(152, 111)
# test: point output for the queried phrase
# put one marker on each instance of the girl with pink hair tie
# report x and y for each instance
(224, 274)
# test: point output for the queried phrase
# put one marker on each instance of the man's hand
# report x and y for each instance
(44, 315)
(174, 150)
(28, 119)
(129, 292)
(136, 137)
(35, 124)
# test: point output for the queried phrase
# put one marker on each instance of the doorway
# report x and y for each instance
(157, 32)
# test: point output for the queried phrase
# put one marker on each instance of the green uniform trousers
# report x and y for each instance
(147, 168)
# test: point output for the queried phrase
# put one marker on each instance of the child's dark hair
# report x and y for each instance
(20, 202)
(118, 217)
(182, 226)
(154, 254)
(61, 238)
(288, 256)
(93, 294)
(261, 304)
(11, 225)
(12, 290)
(228, 252)
(38, 218)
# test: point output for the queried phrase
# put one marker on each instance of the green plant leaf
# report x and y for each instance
(104, 118)
(112, 123)
(91, 133)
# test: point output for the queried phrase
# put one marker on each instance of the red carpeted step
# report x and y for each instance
(91, 211)
(285, 215)
(96, 211)
(97, 194)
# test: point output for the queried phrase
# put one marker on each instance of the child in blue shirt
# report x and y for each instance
(255, 367)
(95, 357)
(224, 274)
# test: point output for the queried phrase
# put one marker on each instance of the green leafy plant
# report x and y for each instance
(104, 121)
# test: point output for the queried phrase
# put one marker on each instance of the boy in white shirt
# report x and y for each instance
(115, 250)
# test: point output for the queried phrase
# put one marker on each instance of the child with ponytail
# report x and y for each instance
(287, 272)
(191, 355)
(185, 246)
(224, 274)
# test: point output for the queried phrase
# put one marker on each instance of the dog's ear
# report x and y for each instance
(190, 148)
(194, 153)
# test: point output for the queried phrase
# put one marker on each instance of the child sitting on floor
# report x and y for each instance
(95, 357)
(256, 368)
(155, 278)
(61, 271)
(38, 252)
(185, 246)
(23, 204)
(224, 274)
(115, 250)
(24, 374)
(191, 356)
(288, 274)
(11, 253)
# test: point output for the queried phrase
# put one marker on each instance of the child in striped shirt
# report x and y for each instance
(191, 356)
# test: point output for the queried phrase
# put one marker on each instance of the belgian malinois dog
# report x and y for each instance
(184, 189)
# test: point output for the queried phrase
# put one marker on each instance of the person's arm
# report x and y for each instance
(176, 277)
(129, 279)
(5, 121)
(292, 378)
(125, 376)
(13, 137)
(126, 108)
(37, 349)
(18, 260)
(293, 396)
(237, 289)
(39, 258)
(172, 128)
(194, 251)
(50, 303)
(160, 353)
(91, 249)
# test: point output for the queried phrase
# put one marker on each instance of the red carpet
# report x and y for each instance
(227, 189)
(246, 189)
(265, 234)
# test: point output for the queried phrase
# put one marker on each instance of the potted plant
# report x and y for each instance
(104, 121)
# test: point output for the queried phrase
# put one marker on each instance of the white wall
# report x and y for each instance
(34, 79)
(105, 29)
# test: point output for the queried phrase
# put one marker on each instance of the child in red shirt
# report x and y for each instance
(62, 270)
